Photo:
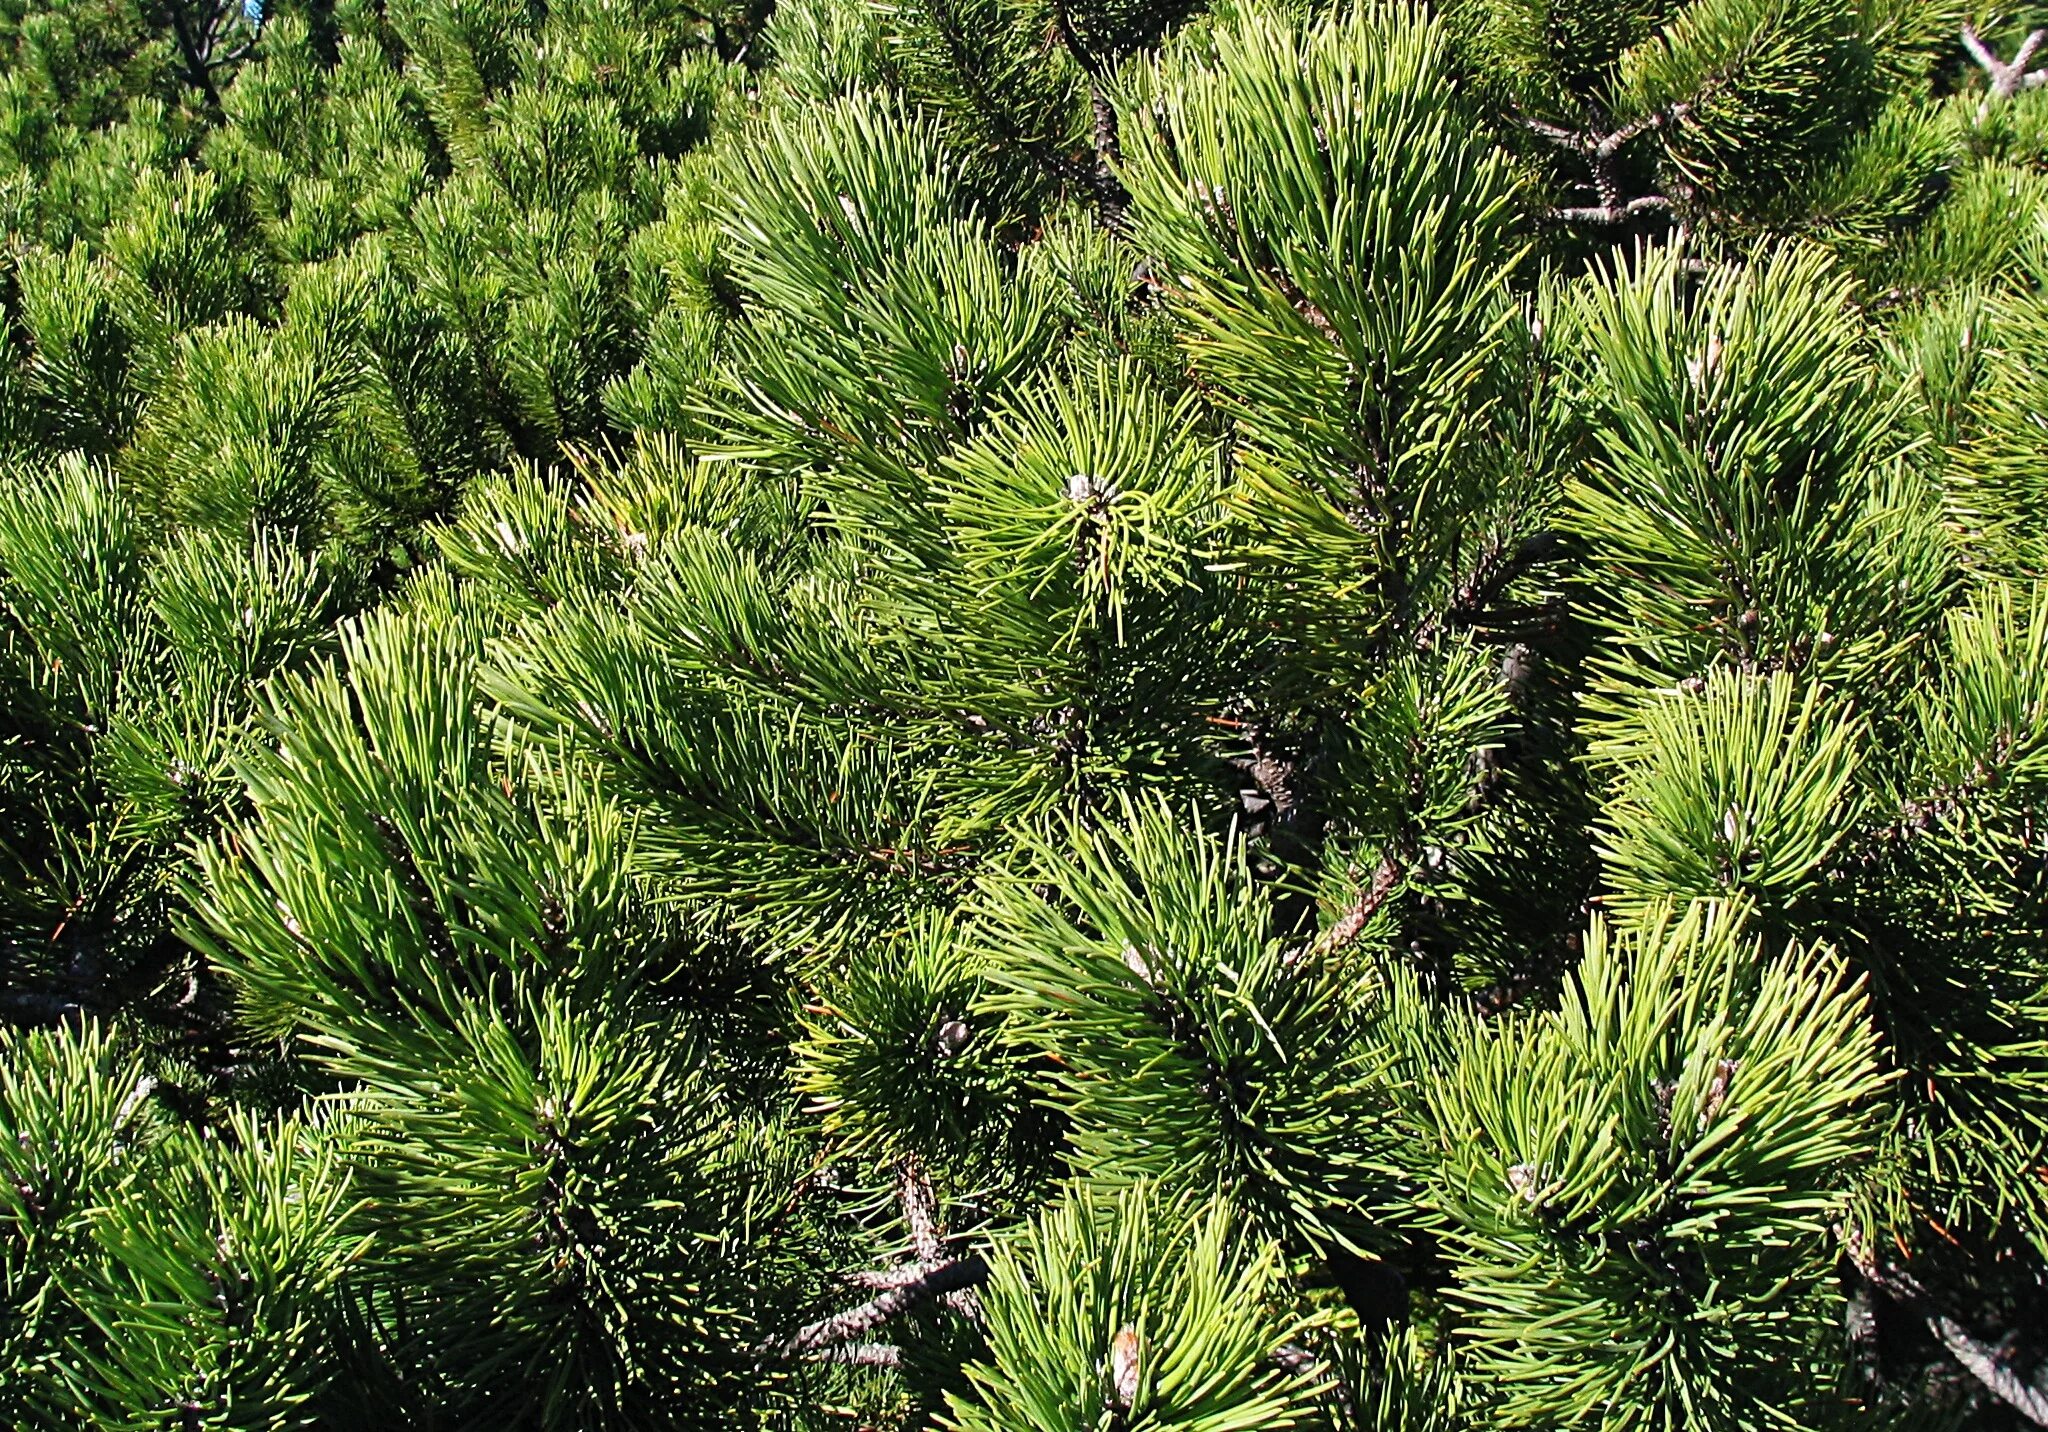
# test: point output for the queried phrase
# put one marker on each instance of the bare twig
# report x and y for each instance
(1612, 213)
(1610, 144)
(200, 28)
(234, 56)
(1556, 133)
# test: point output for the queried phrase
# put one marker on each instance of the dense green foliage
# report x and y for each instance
(1023, 715)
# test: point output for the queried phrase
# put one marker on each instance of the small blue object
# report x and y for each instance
(252, 11)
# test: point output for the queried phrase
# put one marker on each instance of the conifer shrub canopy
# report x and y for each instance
(1023, 715)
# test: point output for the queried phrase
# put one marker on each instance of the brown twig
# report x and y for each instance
(1351, 924)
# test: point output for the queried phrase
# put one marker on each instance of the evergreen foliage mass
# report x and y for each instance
(1023, 715)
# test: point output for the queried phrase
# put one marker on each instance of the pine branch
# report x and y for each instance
(877, 1280)
(1111, 200)
(194, 51)
(433, 924)
(1556, 133)
(920, 1210)
(927, 1235)
(1980, 1359)
(199, 36)
(969, 1272)
(1601, 149)
(1497, 569)
(1003, 125)
(2006, 78)
(863, 1354)
(1612, 213)
(1351, 924)
(1317, 319)
(1982, 1362)
(144, 1087)
(233, 56)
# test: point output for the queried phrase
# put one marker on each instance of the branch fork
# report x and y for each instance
(2007, 77)
(820, 1339)
(929, 1275)
(1602, 152)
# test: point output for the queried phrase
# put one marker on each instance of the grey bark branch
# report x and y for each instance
(2007, 78)
(920, 1210)
(877, 1280)
(1601, 150)
(863, 1354)
(1556, 133)
(927, 1235)
(1980, 1359)
(1613, 213)
(1982, 1362)
(859, 1321)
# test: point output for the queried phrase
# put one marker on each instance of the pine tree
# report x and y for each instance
(1023, 714)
